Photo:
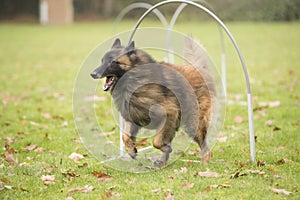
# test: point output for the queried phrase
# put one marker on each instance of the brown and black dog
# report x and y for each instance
(158, 95)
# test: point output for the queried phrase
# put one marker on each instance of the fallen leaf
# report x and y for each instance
(76, 157)
(4, 180)
(142, 143)
(102, 176)
(238, 119)
(9, 140)
(208, 173)
(280, 162)
(183, 170)
(226, 184)
(276, 128)
(64, 124)
(280, 191)
(269, 122)
(8, 187)
(9, 149)
(83, 165)
(155, 191)
(274, 104)
(31, 147)
(169, 196)
(259, 172)
(84, 189)
(70, 174)
(235, 175)
(260, 163)
(11, 159)
(187, 185)
(40, 150)
(48, 179)
(34, 123)
(207, 189)
(192, 152)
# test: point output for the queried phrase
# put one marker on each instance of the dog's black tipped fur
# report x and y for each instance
(156, 95)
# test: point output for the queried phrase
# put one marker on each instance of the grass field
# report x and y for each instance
(38, 69)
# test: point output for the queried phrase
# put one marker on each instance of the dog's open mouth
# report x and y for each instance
(109, 82)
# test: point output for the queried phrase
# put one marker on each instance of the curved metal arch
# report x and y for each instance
(249, 94)
(129, 8)
(223, 55)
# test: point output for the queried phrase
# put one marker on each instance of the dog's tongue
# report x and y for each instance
(108, 82)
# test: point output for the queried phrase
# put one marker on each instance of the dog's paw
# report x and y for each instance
(159, 163)
(133, 153)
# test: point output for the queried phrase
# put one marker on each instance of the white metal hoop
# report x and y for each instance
(249, 94)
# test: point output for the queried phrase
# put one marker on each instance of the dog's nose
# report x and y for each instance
(94, 75)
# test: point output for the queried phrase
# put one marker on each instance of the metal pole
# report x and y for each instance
(223, 55)
(129, 8)
(250, 107)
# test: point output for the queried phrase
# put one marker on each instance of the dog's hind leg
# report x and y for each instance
(201, 139)
(163, 139)
(129, 136)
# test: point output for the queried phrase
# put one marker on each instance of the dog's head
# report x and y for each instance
(119, 60)
(115, 63)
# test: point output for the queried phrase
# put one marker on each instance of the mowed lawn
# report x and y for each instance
(38, 69)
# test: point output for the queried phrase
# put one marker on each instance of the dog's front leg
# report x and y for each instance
(128, 136)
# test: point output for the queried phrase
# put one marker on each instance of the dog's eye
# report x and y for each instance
(116, 62)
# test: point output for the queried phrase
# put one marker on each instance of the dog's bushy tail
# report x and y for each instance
(195, 54)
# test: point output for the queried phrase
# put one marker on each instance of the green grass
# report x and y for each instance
(38, 69)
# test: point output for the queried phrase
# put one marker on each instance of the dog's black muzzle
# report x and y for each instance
(94, 75)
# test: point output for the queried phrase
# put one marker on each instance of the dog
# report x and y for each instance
(159, 95)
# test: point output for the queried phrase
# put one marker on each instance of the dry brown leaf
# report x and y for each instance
(40, 150)
(9, 140)
(183, 170)
(11, 159)
(142, 143)
(187, 185)
(84, 189)
(192, 152)
(260, 163)
(280, 162)
(76, 157)
(208, 173)
(207, 189)
(269, 122)
(280, 191)
(48, 179)
(31, 147)
(274, 104)
(102, 176)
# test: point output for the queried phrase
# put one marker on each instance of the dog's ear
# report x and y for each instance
(117, 43)
(130, 47)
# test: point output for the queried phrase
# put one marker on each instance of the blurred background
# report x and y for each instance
(69, 11)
